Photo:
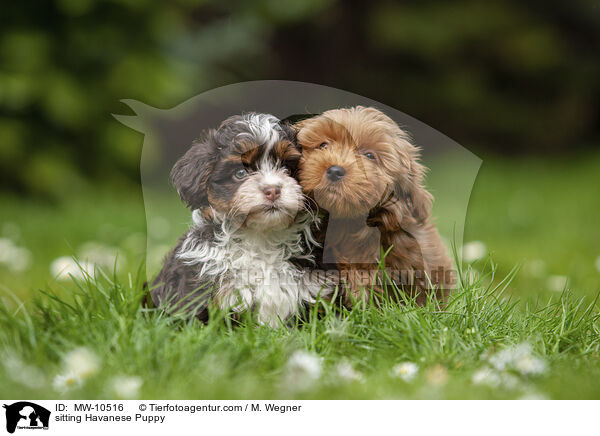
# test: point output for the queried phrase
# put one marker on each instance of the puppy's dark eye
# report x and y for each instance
(324, 145)
(240, 174)
(369, 155)
(285, 169)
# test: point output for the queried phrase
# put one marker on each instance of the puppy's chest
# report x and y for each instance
(258, 267)
(252, 268)
(252, 273)
(261, 277)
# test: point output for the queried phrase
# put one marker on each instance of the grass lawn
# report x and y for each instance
(521, 337)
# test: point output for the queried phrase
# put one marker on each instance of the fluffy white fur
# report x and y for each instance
(264, 129)
(252, 269)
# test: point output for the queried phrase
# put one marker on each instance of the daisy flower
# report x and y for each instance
(126, 387)
(66, 381)
(346, 371)
(474, 250)
(557, 283)
(407, 371)
(64, 267)
(302, 370)
(82, 362)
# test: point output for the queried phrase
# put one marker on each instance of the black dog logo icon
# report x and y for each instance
(26, 415)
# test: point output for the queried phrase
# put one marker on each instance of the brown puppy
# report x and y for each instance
(361, 168)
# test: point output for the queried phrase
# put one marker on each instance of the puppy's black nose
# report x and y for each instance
(335, 173)
(272, 192)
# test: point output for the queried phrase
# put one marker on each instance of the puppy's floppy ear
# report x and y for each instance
(410, 185)
(191, 172)
(408, 174)
(418, 200)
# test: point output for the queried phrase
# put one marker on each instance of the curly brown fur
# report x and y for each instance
(376, 200)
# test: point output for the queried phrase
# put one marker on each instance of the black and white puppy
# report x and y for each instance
(249, 224)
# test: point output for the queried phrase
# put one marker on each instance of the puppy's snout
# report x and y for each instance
(272, 193)
(335, 173)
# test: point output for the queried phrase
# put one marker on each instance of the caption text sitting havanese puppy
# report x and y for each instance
(361, 168)
(250, 222)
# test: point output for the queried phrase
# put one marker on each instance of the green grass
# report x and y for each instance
(540, 210)
(176, 358)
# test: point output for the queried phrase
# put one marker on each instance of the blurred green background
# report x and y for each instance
(507, 76)
(515, 82)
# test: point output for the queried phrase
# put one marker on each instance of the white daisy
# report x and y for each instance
(529, 365)
(21, 372)
(66, 381)
(20, 260)
(519, 358)
(533, 396)
(303, 369)
(494, 379)
(126, 387)
(407, 371)
(510, 381)
(486, 376)
(474, 250)
(82, 362)
(64, 267)
(505, 358)
(557, 283)
(502, 360)
(99, 254)
(15, 258)
(346, 371)
(6, 248)
(437, 375)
